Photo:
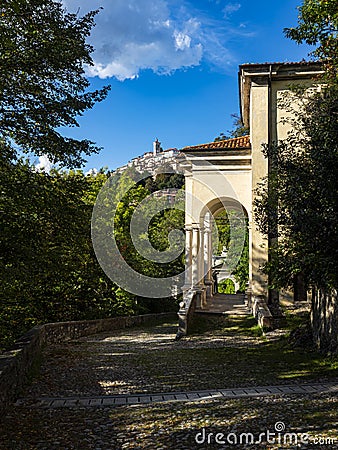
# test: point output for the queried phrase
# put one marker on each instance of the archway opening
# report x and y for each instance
(230, 242)
(226, 286)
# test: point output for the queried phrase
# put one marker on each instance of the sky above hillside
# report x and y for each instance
(172, 66)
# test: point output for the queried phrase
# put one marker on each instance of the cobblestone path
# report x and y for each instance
(139, 388)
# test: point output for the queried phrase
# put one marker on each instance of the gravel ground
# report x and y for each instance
(136, 360)
(174, 425)
(149, 360)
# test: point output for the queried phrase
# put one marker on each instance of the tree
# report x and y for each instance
(304, 177)
(49, 271)
(48, 268)
(318, 26)
(160, 224)
(238, 130)
(299, 197)
(304, 182)
(43, 52)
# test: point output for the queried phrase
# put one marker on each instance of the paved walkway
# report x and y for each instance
(142, 366)
(127, 400)
(139, 389)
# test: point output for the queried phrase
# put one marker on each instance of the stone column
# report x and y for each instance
(208, 255)
(194, 254)
(188, 257)
(201, 271)
(201, 265)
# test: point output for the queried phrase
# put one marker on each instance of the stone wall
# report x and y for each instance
(324, 320)
(16, 364)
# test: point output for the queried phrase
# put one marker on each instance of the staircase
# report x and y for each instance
(221, 304)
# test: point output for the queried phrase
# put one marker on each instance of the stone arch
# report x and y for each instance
(214, 207)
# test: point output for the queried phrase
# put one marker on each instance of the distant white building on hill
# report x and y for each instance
(150, 161)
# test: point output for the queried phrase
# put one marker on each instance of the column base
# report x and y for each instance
(209, 286)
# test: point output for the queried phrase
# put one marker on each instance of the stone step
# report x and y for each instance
(220, 304)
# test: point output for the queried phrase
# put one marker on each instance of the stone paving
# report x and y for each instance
(126, 400)
(141, 389)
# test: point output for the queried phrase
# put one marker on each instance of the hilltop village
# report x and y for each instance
(150, 161)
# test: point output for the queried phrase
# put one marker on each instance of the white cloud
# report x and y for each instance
(132, 35)
(182, 40)
(161, 35)
(230, 8)
(44, 164)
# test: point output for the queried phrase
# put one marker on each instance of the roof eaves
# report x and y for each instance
(239, 143)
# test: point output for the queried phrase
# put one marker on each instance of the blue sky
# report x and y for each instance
(172, 66)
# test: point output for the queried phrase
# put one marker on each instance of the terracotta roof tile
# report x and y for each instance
(234, 143)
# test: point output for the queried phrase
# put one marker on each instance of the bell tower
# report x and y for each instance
(157, 147)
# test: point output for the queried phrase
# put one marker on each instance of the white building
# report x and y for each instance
(150, 161)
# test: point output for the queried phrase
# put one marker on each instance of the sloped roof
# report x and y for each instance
(239, 143)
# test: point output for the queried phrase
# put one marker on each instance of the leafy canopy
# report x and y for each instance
(318, 26)
(300, 194)
(43, 52)
(304, 182)
(239, 129)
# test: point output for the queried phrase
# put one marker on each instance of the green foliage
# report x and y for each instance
(167, 181)
(222, 231)
(49, 271)
(43, 51)
(304, 182)
(124, 213)
(226, 287)
(160, 224)
(48, 267)
(241, 272)
(238, 130)
(142, 225)
(318, 26)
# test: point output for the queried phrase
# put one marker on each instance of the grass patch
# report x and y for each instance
(237, 325)
(295, 320)
(204, 324)
(246, 326)
(259, 363)
(223, 367)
